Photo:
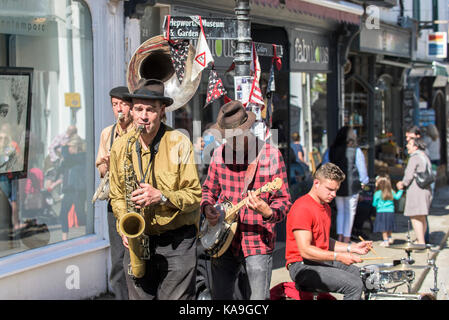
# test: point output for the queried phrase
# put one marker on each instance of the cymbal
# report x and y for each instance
(408, 246)
(405, 267)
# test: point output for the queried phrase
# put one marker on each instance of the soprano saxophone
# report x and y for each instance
(132, 224)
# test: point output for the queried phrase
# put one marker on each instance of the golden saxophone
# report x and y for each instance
(132, 224)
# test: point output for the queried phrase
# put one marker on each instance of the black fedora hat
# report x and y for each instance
(233, 119)
(151, 89)
(120, 92)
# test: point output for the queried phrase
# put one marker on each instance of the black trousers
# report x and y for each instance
(117, 275)
(171, 270)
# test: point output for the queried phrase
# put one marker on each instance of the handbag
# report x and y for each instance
(424, 178)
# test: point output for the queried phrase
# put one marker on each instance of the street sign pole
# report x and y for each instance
(242, 57)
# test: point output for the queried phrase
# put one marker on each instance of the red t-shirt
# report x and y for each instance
(307, 214)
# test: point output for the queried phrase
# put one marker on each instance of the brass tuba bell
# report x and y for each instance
(152, 60)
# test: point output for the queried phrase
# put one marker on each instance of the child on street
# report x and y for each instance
(383, 201)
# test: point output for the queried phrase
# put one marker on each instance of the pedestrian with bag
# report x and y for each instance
(417, 181)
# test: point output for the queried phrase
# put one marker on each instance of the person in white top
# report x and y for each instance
(345, 153)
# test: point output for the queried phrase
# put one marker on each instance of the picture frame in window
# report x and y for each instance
(315, 159)
(15, 113)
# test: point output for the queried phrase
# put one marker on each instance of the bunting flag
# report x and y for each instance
(179, 52)
(215, 89)
(203, 56)
(255, 95)
(276, 60)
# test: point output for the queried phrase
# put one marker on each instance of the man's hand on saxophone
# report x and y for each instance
(125, 241)
(146, 195)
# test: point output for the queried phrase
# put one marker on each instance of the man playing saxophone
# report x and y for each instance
(121, 107)
(166, 193)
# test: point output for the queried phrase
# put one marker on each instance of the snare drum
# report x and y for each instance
(377, 277)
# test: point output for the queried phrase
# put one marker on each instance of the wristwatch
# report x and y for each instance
(163, 199)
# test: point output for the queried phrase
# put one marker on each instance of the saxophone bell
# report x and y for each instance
(132, 225)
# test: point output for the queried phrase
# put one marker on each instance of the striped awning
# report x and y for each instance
(342, 11)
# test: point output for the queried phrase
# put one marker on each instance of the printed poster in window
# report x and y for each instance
(15, 110)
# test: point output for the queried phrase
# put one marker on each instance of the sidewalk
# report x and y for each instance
(439, 232)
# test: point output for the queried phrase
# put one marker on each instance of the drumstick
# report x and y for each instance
(375, 258)
(371, 248)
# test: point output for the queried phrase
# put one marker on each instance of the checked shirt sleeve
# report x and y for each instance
(279, 201)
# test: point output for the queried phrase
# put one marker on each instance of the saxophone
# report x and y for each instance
(132, 224)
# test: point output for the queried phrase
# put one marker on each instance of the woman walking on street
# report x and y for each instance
(417, 202)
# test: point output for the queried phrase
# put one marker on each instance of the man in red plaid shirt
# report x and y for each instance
(254, 241)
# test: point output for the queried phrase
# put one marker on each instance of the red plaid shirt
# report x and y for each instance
(255, 234)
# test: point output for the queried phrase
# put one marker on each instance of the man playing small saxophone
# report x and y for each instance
(168, 195)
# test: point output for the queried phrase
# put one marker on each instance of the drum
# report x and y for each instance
(377, 277)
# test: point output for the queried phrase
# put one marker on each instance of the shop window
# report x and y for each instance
(308, 120)
(356, 109)
(45, 123)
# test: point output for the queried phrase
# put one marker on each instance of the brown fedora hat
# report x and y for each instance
(151, 89)
(233, 116)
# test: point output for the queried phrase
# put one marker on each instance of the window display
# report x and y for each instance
(45, 176)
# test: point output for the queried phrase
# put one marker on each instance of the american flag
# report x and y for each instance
(215, 89)
(255, 95)
(179, 52)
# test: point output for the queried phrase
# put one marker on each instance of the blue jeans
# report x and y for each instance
(328, 276)
(225, 270)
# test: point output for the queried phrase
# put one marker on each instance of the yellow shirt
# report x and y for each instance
(172, 171)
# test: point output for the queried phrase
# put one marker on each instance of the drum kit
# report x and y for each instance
(382, 280)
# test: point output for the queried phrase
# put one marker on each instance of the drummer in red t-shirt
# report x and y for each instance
(314, 260)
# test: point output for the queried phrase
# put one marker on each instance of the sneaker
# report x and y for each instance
(384, 243)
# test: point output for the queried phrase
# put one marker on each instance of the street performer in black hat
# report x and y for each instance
(244, 163)
(121, 107)
(168, 194)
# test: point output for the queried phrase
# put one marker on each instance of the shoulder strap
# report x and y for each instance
(112, 135)
(426, 163)
(154, 148)
(251, 171)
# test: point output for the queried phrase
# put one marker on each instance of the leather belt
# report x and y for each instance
(291, 263)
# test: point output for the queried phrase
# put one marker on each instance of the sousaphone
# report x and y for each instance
(152, 60)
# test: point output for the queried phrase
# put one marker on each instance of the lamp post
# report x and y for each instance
(242, 57)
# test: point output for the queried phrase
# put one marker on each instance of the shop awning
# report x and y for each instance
(435, 69)
(440, 69)
(342, 11)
